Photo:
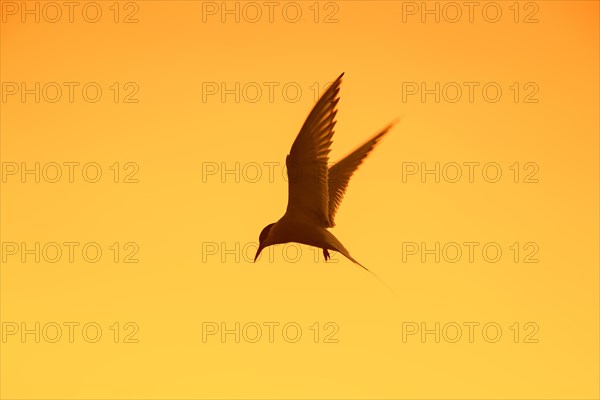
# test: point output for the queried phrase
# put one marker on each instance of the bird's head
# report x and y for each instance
(262, 239)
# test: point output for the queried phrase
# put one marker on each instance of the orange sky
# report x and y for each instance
(187, 115)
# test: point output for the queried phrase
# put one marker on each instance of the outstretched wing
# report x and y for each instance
(307, 163)
(340, 173)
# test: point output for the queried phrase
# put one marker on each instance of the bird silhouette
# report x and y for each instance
(315, 189)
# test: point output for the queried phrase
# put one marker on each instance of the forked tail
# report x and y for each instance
(335, 244)
(349, 257)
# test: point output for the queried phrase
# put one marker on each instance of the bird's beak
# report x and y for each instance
(260, 247)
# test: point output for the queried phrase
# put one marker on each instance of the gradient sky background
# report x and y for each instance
(194, 234)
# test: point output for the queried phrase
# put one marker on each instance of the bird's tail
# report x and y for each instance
(349, 257)
(334, 244)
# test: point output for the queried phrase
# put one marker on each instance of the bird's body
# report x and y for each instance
(296, 227)
(315, 189)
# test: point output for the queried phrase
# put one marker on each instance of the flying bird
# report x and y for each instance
(315, 189)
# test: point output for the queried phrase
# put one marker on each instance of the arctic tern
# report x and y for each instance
(315, 189)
